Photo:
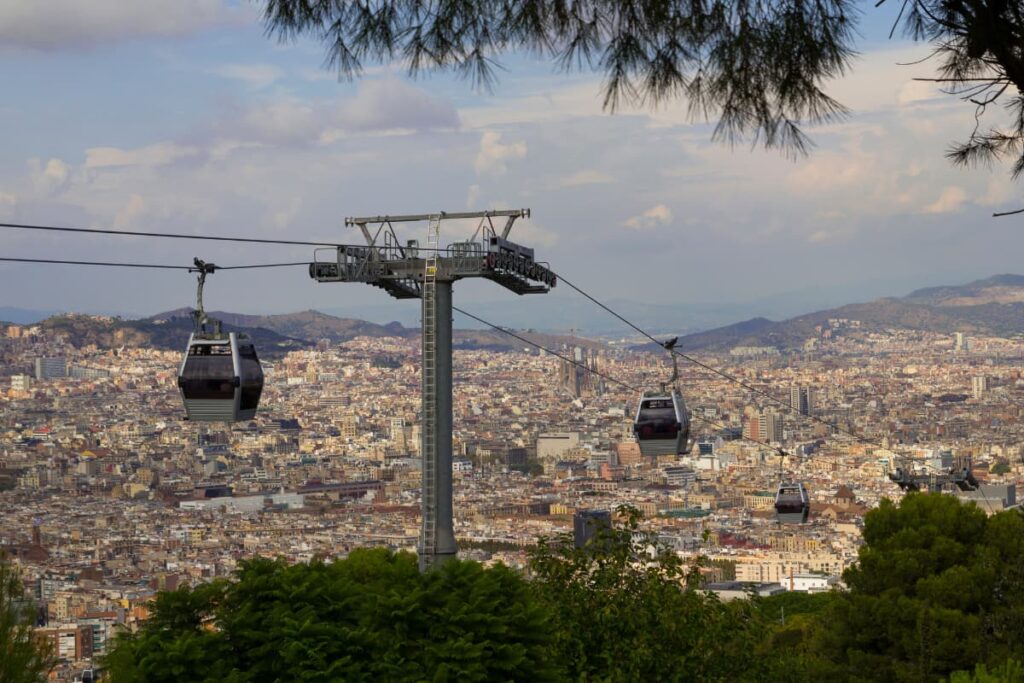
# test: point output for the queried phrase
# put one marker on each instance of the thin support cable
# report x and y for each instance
(110, 264)
(183, 236)
(712, 423)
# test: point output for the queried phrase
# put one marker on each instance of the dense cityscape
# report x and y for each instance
(738, 396)
(108, 495)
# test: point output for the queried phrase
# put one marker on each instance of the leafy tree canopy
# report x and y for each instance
(938, 588)
(370, 617)
(758, 67)
(938, 592)
(23, 659)
(626, 609)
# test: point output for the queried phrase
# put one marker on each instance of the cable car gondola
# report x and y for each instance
(220, 377)
(662, 422)
(791, 503)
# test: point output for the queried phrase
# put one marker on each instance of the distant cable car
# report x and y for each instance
(662, 422)
(791, 503)
(220, 377)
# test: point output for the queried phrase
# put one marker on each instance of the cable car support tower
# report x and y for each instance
(409, 272)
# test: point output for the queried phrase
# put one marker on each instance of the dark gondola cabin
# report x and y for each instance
(662, 424)
(791, 504)
(220, 378)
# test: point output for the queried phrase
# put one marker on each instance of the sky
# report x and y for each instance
(183, 116)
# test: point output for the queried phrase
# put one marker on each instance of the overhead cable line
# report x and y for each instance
(111, 264)
(725, 375)
(167, 235)
(93, 263)
(498, 328)
(712, 423)
(263, 265)
(716, 371)
(184, 236)
(503, 330)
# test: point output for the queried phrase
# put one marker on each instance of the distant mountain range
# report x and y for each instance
(994, 306)
(991, 306)
(274, 335)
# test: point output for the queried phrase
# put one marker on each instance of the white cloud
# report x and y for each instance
(135, 207)
(277, 122)
(51, 178)
(587, 177)
(472, 195)
(651, 218)
(75, 24)
(253, 75)
(377, 107)
(284, 217)
(1001, 189)
(392, 104)
(532, 233)
(951, 199)
(159, 154)
(8, 204)
(916, 91)
(493, 155)
(832, 171)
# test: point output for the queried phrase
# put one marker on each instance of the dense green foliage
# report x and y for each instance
(23, 659)
(372, 616)
(937, 594)
(622, 614)
(1009, 672)
(938, 588)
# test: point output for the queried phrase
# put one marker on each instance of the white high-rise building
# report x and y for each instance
(979, 385)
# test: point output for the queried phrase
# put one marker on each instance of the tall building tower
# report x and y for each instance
(961, 342)
(770, 426)
(581, 377)
(979, 385)
(21, 383)
(752, 427)
(800, 399)
(49, 368)
(586, 524)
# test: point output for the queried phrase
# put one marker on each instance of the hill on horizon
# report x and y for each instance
(274, 335)
(994, 306)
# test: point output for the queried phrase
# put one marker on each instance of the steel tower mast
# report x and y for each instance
(406, 273)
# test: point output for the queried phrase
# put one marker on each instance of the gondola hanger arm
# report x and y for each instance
(204, 269)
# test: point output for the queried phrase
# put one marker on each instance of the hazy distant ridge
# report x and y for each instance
(994, 306)
(273, 334)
